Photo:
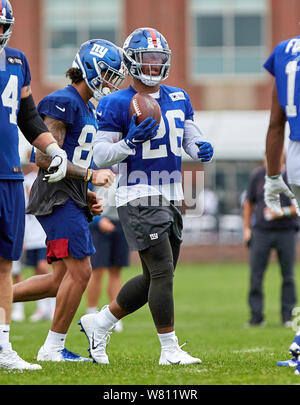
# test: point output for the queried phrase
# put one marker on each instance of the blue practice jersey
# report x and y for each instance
(66, 105)
(283, 63)
(14, 75)
(160, 154)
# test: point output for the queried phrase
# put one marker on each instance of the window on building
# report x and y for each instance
(228, 36)
(66, 28)
(229, 179)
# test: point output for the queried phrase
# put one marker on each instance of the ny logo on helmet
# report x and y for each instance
(98, 50)
(151, 42)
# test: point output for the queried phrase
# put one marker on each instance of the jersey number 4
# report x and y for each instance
(9, 98)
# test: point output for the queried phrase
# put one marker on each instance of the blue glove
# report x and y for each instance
(140, 133)
(206, 151)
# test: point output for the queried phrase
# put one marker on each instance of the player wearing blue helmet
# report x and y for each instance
(17, 109)
(64, 209)
(283, 64)
(149, 190)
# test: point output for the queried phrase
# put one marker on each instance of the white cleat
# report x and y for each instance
(10, 360)
(59, 355)
(98, 340)
(172, 355)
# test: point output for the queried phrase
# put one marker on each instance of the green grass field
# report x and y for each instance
(211, 309)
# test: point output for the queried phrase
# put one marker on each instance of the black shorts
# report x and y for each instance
(146, 225)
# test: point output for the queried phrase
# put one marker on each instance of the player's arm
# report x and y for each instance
(97, 177)
(274, 183)
(195, 144)
(275, 136)
(37, 133)
(109, 148)
(248, 208)
(58, 130)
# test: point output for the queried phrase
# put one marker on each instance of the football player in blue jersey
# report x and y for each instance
(17, 109)
(64, 209)
(283, 64)
(149, 190)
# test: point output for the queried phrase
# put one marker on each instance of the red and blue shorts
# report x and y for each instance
(68, 233)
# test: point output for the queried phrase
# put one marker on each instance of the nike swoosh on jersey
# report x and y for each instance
(60, 108)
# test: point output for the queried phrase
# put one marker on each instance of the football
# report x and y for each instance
(144, 106)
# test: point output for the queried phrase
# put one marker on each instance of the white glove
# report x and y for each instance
(272, 188)
(58, 167)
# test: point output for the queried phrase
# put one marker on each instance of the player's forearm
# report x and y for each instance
(76, 172)
(42, 160)
(247, 213)
(191, 135)
(275, 136)
(274, 147)
(43, 140)
(107, 153)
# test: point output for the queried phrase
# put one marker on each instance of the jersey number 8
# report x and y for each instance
(83, 152)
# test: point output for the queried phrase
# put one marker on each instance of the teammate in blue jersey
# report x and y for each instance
(64, 209)
(17, 109)
(283, 64)
(149, 190)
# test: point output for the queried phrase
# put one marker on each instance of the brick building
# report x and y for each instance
(218, 48)
(49, 31)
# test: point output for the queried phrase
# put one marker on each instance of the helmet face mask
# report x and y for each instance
(101, 65)
(7, 21)
(147, 56)
(107, 80)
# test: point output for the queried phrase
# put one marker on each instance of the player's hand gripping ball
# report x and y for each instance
(145, 115)
(144, 106)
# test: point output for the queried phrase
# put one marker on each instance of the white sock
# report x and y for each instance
(298, 332)
(167, 339)
(105, 319)
(4, 337)
(91, 310)
(55, 341)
